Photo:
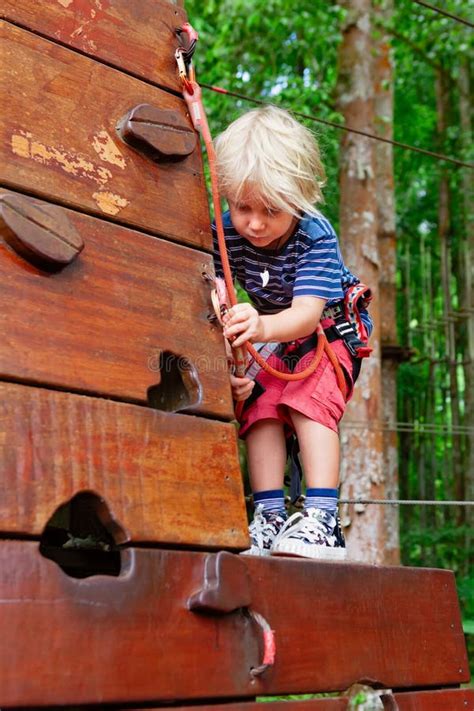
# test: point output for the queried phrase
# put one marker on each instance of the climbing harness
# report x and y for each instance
(226, 298)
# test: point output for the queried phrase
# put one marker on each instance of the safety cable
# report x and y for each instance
(384, 502)
(428, 428)
(434, 8)
(341, 127)
(405, 502)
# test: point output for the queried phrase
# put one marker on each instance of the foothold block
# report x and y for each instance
(40, 233)
(226, 585)
(160, 134)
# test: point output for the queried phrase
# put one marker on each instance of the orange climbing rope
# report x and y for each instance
(193, 97)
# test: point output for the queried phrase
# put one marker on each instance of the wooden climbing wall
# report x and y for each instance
(116, 415)
(103, 302)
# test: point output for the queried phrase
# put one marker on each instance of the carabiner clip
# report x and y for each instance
(184, 71)
(184, 56)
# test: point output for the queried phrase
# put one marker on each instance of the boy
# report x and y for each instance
(285, 255)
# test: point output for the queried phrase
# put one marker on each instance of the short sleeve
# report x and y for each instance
(318, 269)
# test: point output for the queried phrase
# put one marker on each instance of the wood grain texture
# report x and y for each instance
(400, 627)
(99, 325)
(138, 37)
(53, 445)
(439, 700)
(59, 141)
(334, 624)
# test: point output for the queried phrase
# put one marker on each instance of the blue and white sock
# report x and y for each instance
(273, 501)
(325, 499)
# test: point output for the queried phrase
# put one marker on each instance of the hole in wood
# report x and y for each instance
(82, 537)
(179, 387)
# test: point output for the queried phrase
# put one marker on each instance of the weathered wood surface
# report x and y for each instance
(138, 37)
(334, 624)
(53, 445)
(99, 324)
(439, 700)
(59, 141)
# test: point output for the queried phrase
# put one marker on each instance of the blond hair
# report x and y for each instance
(267, 155)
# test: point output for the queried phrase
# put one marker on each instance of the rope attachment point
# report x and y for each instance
(269, 646)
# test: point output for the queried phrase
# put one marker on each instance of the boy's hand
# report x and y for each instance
(241, 387)
(244, 323)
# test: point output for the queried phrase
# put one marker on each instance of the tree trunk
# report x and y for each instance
(384, 184)
(361, 434)
(467, 295)
(456, 490)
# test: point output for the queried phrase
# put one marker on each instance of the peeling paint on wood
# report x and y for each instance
(25, 145)
(110, 203)
(107, 150)
(61, 142)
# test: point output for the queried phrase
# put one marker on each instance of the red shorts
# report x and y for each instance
(318, 396)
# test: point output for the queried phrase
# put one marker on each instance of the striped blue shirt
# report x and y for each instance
(309, 264)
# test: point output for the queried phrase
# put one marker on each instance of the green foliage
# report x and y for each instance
(267, 51)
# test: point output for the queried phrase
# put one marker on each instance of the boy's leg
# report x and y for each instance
(321, 472)
(266, 455)
(266, 458)
(319, 450)
(317, 534)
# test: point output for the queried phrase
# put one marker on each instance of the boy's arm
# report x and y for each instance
(300, 320)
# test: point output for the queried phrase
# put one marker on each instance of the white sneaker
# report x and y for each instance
(315, 534)
(264, 530)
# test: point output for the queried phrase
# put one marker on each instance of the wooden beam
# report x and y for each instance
(54, 445)
(334, 624)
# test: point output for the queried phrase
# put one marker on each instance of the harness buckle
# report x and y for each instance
(334, 312)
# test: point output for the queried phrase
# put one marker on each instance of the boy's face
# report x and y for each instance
(260, 225)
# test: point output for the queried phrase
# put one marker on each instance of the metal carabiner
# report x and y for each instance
(183, 70)
(184, 56)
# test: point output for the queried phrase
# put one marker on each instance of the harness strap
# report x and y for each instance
(348, 322)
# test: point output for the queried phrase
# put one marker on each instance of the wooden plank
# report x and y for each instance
(364, 625)
(59, 141)
(99, 325)
(442, 700)
(136, 36)
(53, 445)
(334, 624)
(439, 700)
